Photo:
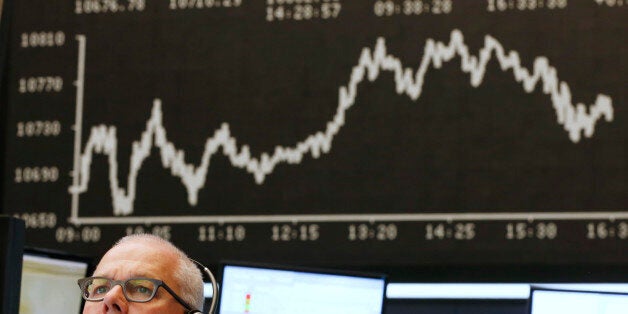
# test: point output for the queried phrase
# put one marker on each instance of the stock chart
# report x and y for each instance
(325, 132)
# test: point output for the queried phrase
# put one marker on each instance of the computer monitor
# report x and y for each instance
(546, 301)
(263, 289)
(49, 282)
(11, 249)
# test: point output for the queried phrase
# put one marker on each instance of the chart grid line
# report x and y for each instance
(78, 122)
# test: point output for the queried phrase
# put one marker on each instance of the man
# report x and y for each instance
(143, 274)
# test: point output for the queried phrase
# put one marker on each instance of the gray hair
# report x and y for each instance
(188, 275)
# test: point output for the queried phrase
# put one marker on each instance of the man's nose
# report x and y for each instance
(114, 301)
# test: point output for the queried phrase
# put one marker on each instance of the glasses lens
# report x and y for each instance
(140, 290)
(96, 288)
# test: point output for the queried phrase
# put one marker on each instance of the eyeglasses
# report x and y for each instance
(139, 290)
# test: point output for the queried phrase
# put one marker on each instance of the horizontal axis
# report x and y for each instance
(221, 219)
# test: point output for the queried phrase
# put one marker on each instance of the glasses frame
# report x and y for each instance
(122, 283)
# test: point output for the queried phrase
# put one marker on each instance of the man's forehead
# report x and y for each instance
(141, 247)
(125, 267)
(136, 259)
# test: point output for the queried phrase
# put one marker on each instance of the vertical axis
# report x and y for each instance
(78, 127)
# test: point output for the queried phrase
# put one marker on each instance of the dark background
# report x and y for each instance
(456, 149)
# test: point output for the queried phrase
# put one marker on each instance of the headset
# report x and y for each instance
(210, 276)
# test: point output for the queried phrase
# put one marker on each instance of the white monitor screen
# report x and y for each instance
(258, 290)
(49, 285)
(577, 302)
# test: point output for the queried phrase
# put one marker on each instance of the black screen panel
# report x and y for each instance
(392, 133)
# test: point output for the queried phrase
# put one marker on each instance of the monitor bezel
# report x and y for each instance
(534, 288)
(60, 255)
(56, 254)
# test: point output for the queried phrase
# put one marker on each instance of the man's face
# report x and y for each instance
(137, 258)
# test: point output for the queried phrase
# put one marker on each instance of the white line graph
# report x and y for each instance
(576, 119)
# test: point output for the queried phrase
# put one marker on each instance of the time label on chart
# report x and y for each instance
(302, 10)
(385, 8)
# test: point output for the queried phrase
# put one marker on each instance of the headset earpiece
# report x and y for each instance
(212, 306)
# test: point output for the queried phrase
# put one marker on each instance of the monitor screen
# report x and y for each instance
(544, 301)
(49, 283)
(267, 290)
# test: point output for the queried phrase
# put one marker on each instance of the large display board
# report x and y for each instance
(328, 132)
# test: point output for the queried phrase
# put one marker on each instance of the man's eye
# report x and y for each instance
(101, 290)
(141, 290)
